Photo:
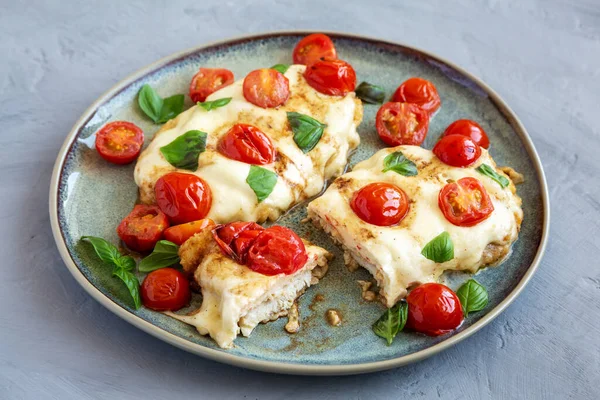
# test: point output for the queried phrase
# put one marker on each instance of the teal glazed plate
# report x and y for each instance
(89, 196)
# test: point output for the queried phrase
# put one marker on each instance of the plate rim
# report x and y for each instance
(276, 366)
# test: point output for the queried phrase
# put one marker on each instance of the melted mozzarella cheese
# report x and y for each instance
(300, 175)
(393, 254)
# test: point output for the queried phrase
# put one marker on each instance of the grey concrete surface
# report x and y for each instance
(56, 57)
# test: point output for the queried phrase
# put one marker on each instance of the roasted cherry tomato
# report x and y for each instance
(457, 150)
(266, 88)
(165, 289)
(180, 233)
(207, 81)
(433, 309)
(332, 77)
(420, 92)
(235, 238)
(380, 204)
(183, 197)
(465, 202)
(314, 47)
(247, 143)
(470, 129)
(143, 227)
(276, 250)
(401, 123)
(119, 142)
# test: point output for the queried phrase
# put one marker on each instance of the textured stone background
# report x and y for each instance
(543, 57)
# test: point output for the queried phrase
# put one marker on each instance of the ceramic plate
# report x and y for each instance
(89, 196)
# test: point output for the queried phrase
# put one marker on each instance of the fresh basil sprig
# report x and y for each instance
(165, 254)
(158, 109)
(123, 266)
(473, 296)
(280, 68)
(183, 152)
(262, 181)
(440, 249)
(369, 93)
(398, 163)
(391, 322)
(211, 105)
(491, 173)
(307, 130)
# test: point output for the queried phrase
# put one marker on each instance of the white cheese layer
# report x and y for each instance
(300, 175)
(393, 254)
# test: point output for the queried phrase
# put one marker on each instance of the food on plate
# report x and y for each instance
(457, 150)
(143, 227)
(248, 274)
(180, 233)
(470, 129)
(251, 163)
(369, 93)
(165, 289)
(266, 88)
(207, 81)
(418, 91)
(457, 218)
(402, 123)
(312, 48)
(119, 142)
(433, 309)
(331, 76)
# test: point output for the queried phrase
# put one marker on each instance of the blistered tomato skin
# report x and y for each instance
(207, 81)
(248, 144)
(380, 203)
(331, 77)
(433, 309)
(234, 238)
(312, 48)
(420, 92)
(165, 289)
(183, 197)
(178, 234)
(470, 129)
(266, 88)
(143, 227)
(465, 202)
(457, 150)
(401, 124)
(276, 250)
(119, 142)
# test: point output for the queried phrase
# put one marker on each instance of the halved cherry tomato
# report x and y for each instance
(207, 81)
(165, 289)
(465, 202)
(247, 143)
(266, 88)
(420, 92)
(457, 150)
(178, 234)
(332, 77)
(380, 203)
(234, 238)
(183, 197)
(119, 142)
(143, 227)
(277, 250)
(470, 129)
(433, 309)
(401, 123)
(312, 48)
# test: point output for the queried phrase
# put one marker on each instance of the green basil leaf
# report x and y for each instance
(280, 67)
(369, 93)
(440, 249)
(107, 252)
(491, 173)
(165, 254)
(472, 296)
(184, 151)
(391, 322)
(132, 283)
(211, 105)
(150, 102)
(307, 130)
(398, 163)
(262, 181)
(172, 107)
(125, 262)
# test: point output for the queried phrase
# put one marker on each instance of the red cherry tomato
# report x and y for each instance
(143, 227)
(470, 129)
(247, 143)
(457, 150)
(180, 233)
(266, 88)
(277, 250)
(183, 197)
(165, 289)
(465, 202)
(380, 203)
(433, 309)
(420, 92)
(332, 77)
(235, 238)
(312, 48)
(401, 123)
(207, 81)
(119, 142)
